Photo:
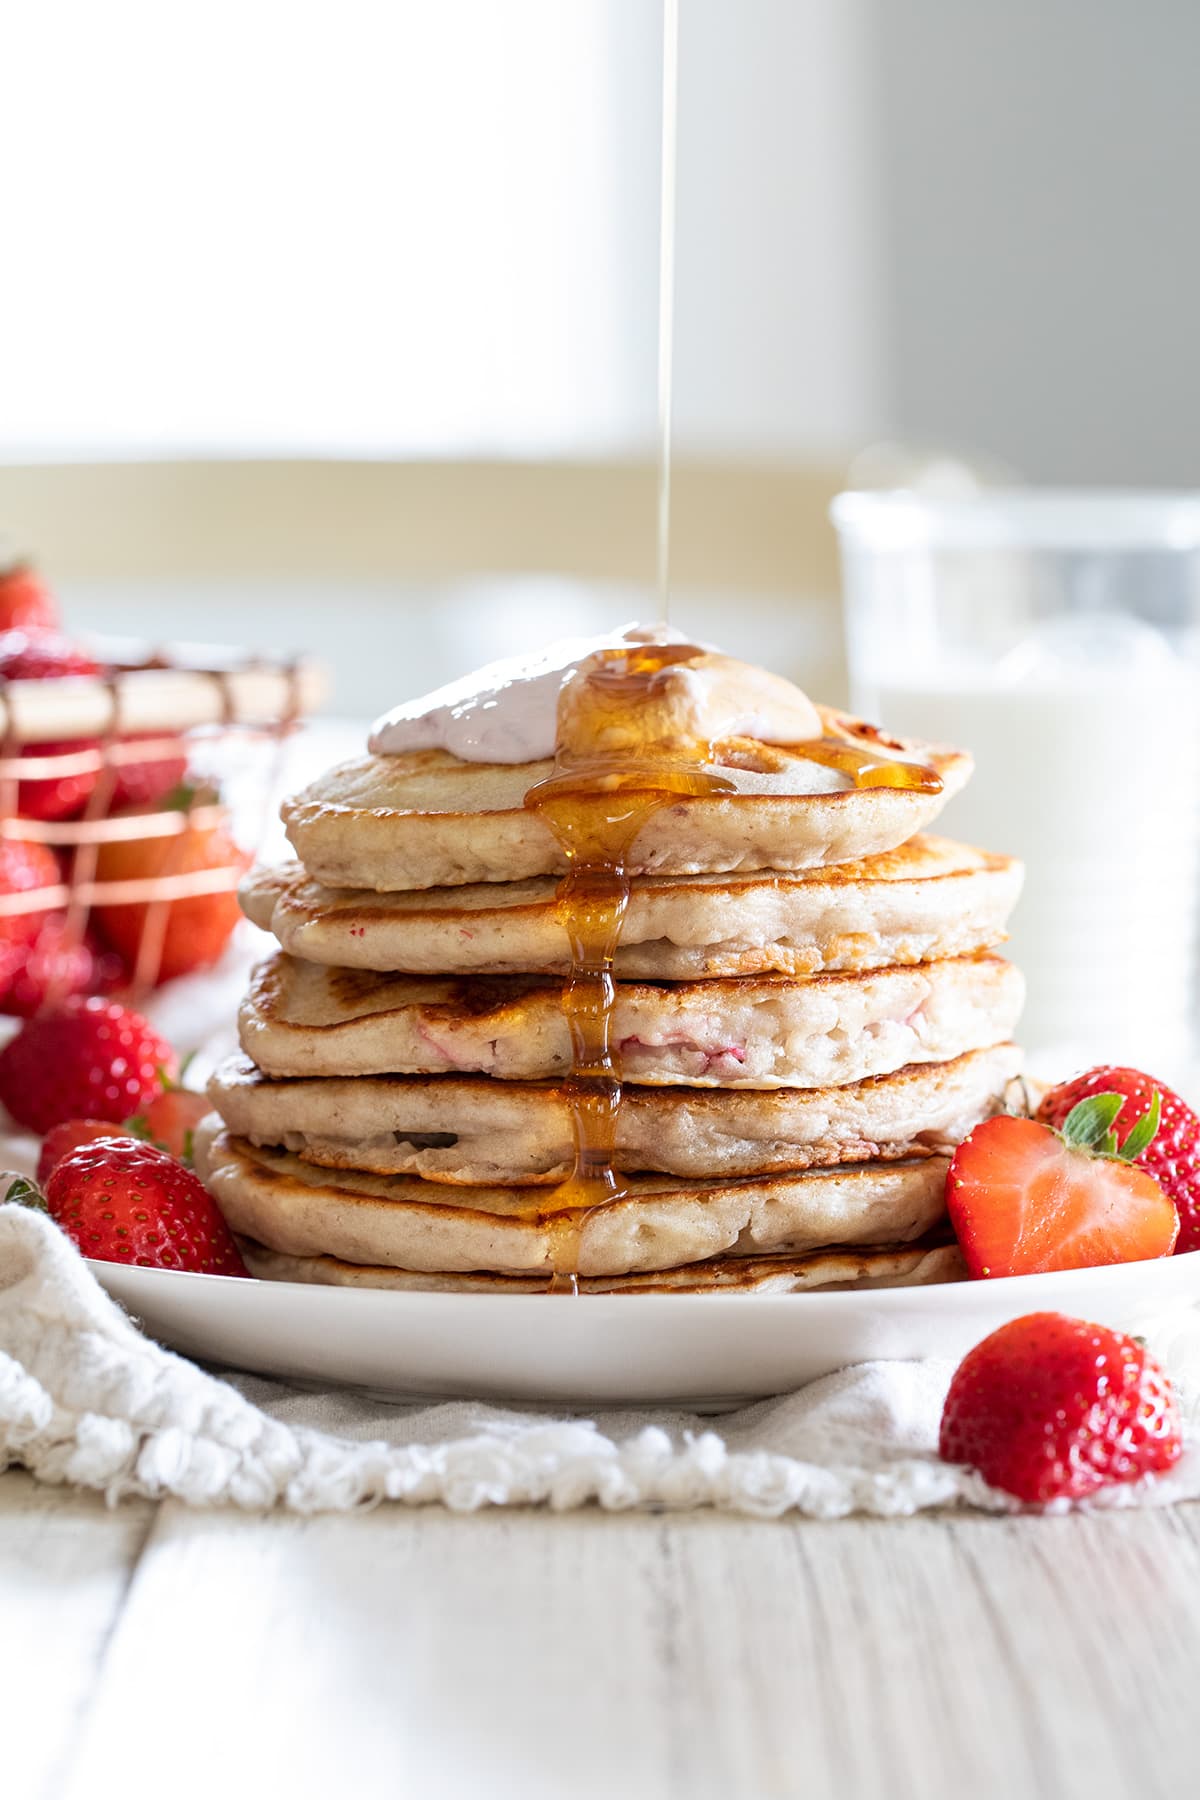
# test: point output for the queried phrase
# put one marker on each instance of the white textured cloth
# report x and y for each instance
(86, 1399)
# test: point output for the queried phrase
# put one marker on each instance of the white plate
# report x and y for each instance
(696, 1350)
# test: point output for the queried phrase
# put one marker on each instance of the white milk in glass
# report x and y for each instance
(1086, 736)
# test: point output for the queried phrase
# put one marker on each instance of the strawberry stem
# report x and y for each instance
(1089, 1127)
(1144, 1132)
(1089, 1124)
(23, 1192)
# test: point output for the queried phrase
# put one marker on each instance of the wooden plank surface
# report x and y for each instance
(689, 1656)
(65, 1565)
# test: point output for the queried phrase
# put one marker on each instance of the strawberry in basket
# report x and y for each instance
(195, 927)
(25, 868)
(46, 656)
(25, 601)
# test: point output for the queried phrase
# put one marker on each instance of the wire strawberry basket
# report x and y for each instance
(128, 776)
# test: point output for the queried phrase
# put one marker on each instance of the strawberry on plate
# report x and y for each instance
(170, 1120)
(1173, 1154)
(197, 927)
(60, 1140)
(46, 656)
(1052, 1408)
(124, 1201)
(89, 1059)
(26, 603)
(1024, 1198)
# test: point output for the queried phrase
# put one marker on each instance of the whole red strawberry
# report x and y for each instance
(171, 1119)
(89, 1059)
(25, 868)
(25, 600)
(64, 1138)
(1051, 1408)
(56, 964)
(150, 779)
(129, 1202)
(1173, 1154)
(197, 927)
(42, 656)
(45, 656)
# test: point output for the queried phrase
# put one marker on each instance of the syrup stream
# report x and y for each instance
(666, 296)
(596, 803)
(597, 800)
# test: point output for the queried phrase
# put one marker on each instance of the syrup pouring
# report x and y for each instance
(619, 759)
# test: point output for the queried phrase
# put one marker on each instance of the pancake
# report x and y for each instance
(427, 819)
(756, 1032)
(659, 1222)
(917, 1265)
(929, 899)
(469, 1129)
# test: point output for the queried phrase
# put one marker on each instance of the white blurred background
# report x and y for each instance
(334, 326)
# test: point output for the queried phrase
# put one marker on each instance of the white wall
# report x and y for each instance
(428, 227)
(779, 321)
(401, 225)
(1038, 164)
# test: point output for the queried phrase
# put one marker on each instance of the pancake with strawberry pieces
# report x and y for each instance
(929, 899)
(770, 1031)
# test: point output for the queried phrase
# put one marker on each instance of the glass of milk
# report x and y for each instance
(1056, 635)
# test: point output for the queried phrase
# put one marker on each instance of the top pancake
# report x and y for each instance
(427, 819)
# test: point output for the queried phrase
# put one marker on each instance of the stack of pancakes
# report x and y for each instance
(807, 1017)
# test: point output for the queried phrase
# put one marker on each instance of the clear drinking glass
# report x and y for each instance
(1056, 635)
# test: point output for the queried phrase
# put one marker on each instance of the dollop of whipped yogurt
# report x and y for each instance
(507, 712)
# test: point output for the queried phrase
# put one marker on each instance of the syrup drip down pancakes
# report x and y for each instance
(625, 968)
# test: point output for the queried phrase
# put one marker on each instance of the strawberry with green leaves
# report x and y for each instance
(1052, 1408)
(123, 1201)
(1171, 1154)
(1025, 1198)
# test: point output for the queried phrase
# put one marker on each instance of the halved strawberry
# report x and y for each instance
(1024, 1199)
(1172, 1154)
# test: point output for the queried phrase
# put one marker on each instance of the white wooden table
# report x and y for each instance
(156, 1651)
